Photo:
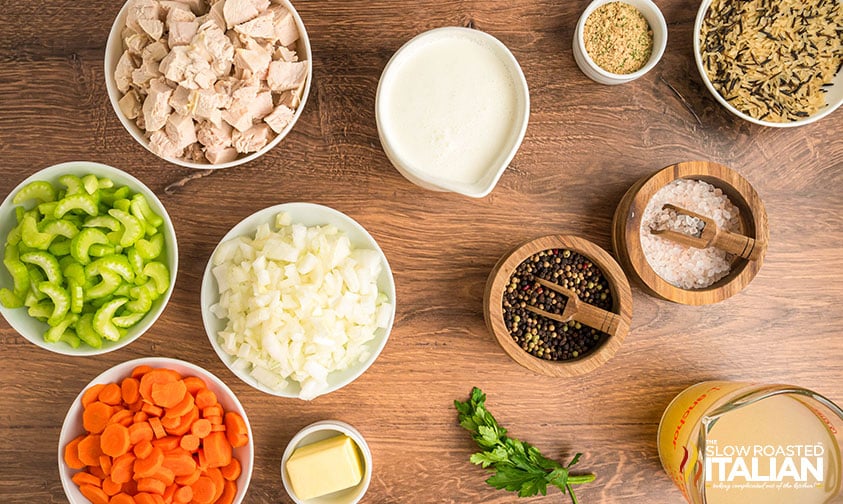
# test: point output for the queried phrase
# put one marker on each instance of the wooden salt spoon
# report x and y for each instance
(712, 236)
(579, 311)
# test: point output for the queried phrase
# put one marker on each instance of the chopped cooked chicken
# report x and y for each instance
(240, 11)
(160, 144)
(217, 155)
(181, 130)
(142, 10)
(261, 106)
(211, 135)
(238, 115)
(145, 73)
(182, 32)
(254, 58)
(290, 99)
(123, 72)
(156, 107)
(262, 26)
(155, 51)
(177, 11)
(284, 75)
(130, 104)
(211, 42)
(181, 101)
(135, 42)
(251, 140)
(284, 54)
(286, 31)
(279, 118)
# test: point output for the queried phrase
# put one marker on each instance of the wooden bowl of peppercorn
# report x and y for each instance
(544, 345)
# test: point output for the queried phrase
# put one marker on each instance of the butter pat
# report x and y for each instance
(324, 467)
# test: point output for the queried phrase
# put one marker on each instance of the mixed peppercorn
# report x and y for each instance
(543, 337)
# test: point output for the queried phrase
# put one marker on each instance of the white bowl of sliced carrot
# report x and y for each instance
(156, 430)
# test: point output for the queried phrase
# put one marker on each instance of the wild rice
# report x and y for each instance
(771, 58)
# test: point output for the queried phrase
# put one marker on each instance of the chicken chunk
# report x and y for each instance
(251, 140)
(156, 106)
(240, 11)
(218, 155)
(182, 32)
(181, 130)
(155, 51)
(212, 135)
(123, 72)
(284, 75)
(254, 58)
(261, 106)
(279, 118)
(286, 31)
(262, 26)
(160, 144)
(130, 104)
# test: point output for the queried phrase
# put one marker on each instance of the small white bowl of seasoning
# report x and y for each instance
(618, 41)
(452, 108)
(327, 462)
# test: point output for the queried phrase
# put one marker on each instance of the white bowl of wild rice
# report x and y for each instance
(772, 62)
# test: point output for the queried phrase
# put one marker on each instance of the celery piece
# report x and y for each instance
(123, 204)
(109, 283)
(142, 297)
(115, 263)
(17, 270)
(41, 311)
(128, 320)
(9, 299)
(75, 271)
(152, 248)
(61, 227)
(134, 228)
(109, 197)
(38, 190)
(72, 183)
(90, 183)
(159, 274)
(103, 221)
(47, 209)
(125, 290)
(103, 324)
(31, 236)
(69, 336)
(105, 183)
(137, 262)
(98, 250)
(14, 236)
(140, 209)
(60, 299)
(77, 295)
(55, 332)
(19, 213)
(85, 331)
(82, 243)
(60, 248)
(47, 262)
(81, 201)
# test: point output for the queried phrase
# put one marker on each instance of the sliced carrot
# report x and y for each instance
(232, 471)
(166, 475)
(217, 449)
(130, 390)
(157, 428)
(167, 443)
(140, 371)
(122, 498)
(228, 493)
(130, 487)
(189, 479)
(71, 454)
(202, 461)
(189, 442)
(152, 410)
(140, 431)
(111, 487)
(194, 384)
(97, 471)
(106, 463)
(94, 494)
(95, 417)
(90, 451)
(136, 406)
(151, 485)
(122, 417)
(183, 495)
(180, 462)
(181, 408)
(122, 467)
(110, 394)
(215, 420)
(158, 375)
(236, 430)
(142, 449)
(201, 428)
(169, 493)
(203, 490)
(115, 440)
(218, 427)
(92, 394)
(140, 416)
(185, 423)
(169, 422)
(219, 481)
(168, 394)
(146, 467)
(210, 411)
(84, 478)
(205, 398)
(144, 498)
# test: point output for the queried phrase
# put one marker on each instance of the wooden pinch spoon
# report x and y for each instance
(579, 311)
(713, 236)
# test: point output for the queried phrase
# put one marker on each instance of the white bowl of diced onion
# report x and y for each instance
(298, 300)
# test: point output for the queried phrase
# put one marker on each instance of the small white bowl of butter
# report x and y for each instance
(327, 462)
(452, 108)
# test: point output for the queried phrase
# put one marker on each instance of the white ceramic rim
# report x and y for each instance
(246, 227)
(521, 89)
(70, 488)
(51, 173)
(828, 109)
(340, 428)
(655, 56)
(112, 55)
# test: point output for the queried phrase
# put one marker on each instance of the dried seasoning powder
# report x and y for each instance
(618, 38)
(687, 267)
(772, 59)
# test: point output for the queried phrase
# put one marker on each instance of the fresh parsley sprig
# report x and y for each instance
(518, 466)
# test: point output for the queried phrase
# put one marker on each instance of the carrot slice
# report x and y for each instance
(84, 478)
(201, 428)
(106, 463)
(218, 427)
(91, 394)
(95, 417)
(151, 485)
(111, 488)
(166, 475)
(215, 420)
(167, 443)
(71, 454)
(210, 411)
(157, 428)
(182, 408)
(194, 384)
(236, 430)
(232, 471)
(140, 371)
(140, 431)
(185, 423)
(228, 493)
(122, 498)
(183, 495)
(168, 394)
(151, 409)
(122, 417)
(219, 481)
(130, 390)
(122, 467)
(189, 479)
(144, 498)
(115, 440)
(140, 416)
(189, 442)
(205, 398)
(217, 449)
(180, 462)
(110, 394)
(169, 492)
(158, 375)
(146, 467)
(203, 490)
(94, 494)
(89, 450)
(142, 449)
(97, 471)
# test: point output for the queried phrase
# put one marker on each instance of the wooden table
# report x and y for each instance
(585, 145)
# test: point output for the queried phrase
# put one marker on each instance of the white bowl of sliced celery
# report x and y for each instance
(89, 258)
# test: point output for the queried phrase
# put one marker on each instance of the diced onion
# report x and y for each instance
(300, 303)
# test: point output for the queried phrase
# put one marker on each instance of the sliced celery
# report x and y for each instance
(38, 190)
(103, 324)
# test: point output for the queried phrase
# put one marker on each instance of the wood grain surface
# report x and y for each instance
(585, 145)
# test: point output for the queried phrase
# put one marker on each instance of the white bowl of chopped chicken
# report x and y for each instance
(208, 84)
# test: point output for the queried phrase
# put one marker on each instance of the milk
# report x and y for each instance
(449, 108)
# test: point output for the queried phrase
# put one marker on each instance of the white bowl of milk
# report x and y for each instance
(452, 109)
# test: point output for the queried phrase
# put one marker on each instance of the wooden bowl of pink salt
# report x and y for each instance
(674, 271)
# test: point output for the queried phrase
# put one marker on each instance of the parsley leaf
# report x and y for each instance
(518, 466)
